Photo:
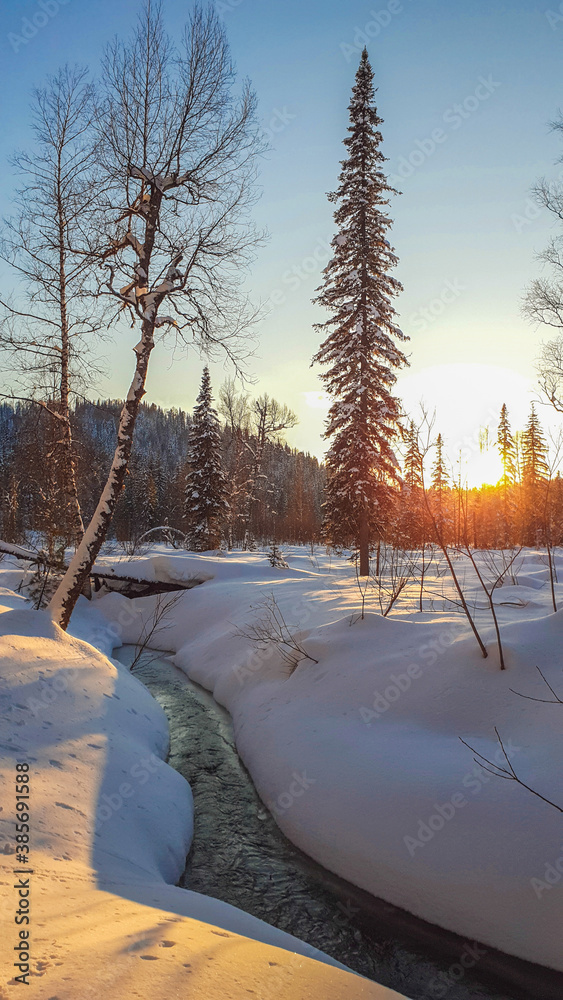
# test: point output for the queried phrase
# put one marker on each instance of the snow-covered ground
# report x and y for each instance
(359, 755)
(109, 827)
(356, 751)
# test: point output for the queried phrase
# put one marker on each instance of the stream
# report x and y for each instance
(240, 855)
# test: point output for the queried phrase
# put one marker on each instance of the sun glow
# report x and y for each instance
(466, 400)
(482, 468)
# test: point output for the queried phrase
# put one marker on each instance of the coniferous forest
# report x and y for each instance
(282, 498)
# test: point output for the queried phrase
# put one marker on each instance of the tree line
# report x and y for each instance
(268, 490)
(253, 489)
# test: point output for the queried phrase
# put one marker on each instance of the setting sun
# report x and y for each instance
(482, 468)
(466, 400)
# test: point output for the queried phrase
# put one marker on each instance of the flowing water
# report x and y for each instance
(240, 855)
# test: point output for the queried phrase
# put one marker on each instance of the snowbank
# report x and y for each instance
(110, 825)
(359, 756)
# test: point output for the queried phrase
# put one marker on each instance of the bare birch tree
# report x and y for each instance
(544, 298)
(178, 153)
(43, 328)
(268, 421)
(543, 303)
(252, 424)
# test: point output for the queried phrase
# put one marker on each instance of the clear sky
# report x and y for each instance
(465, 229)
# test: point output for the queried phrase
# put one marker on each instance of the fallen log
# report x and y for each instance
(132, 585)
(139, 587)
(20, 553)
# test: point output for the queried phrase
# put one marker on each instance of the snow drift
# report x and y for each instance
(110, 825)
(359, 756)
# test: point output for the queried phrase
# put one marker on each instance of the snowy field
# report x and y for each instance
(110, 826)
(356, 750)
(359, 755)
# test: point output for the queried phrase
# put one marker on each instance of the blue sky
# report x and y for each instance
(465, 230)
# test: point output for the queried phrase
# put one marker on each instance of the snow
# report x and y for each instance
(359, 757)
(110, 826)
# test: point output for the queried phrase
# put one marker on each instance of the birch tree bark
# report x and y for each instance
(177, 154)
(44, 328)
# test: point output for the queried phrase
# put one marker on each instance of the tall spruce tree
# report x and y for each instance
(206, 505)
(535, 478)
(507, 452)
(411, 520)
(412, 473)
(505, 441)
(439, 483)
(439, 469)
(535, 467)
(360, 349)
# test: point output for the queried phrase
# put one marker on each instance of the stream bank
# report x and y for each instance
(240, 855)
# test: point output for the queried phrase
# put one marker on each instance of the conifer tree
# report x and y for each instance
(507, 451)
(534, 451)
(506, 448)
(360, 349)
(535, 477)
(413, 459)
(206, 505)
(411, 519)
(439, 480)
(439, 470)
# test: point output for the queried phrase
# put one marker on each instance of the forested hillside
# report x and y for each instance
(288, 491)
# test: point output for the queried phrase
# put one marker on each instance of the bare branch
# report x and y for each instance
(508, 772)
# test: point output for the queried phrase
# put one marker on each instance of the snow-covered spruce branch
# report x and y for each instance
(271, 626)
